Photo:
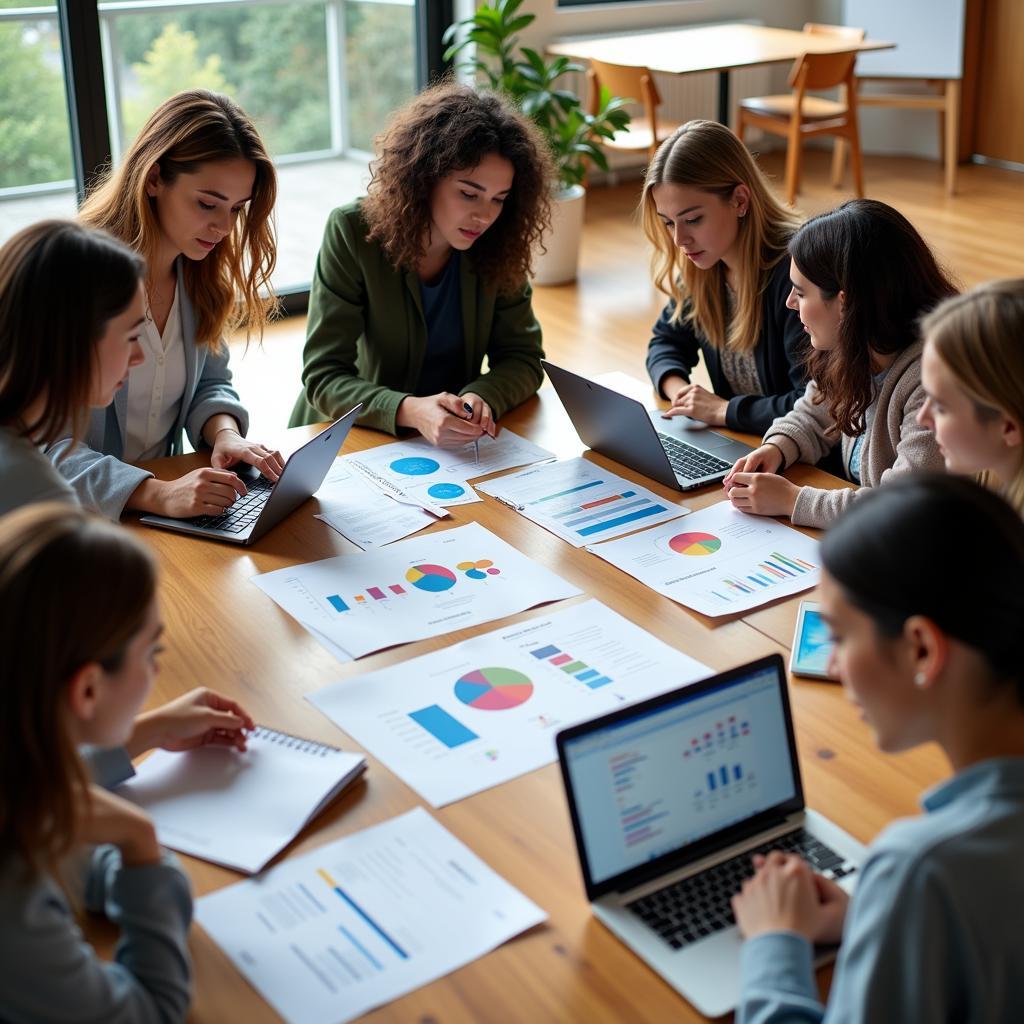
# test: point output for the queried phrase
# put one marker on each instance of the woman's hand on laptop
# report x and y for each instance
(786, 895)
(203, 492)
(698, 403)
(230, 448)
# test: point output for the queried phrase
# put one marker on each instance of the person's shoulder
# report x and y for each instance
(349, 218)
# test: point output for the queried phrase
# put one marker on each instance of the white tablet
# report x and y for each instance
(812, 645)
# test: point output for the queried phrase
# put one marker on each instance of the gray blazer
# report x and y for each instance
(94, 468)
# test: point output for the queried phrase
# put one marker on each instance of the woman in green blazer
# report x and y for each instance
(428, 274)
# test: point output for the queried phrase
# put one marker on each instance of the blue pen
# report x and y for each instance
(476, 441)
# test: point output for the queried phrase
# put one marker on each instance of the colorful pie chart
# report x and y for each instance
(434, 578)
(695, 543)
(493, 689)
(415, 466)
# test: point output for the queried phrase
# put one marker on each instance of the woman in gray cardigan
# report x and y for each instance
(79, 660)
(862, 277)
(194, 196)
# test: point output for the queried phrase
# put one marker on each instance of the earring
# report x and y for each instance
(920, 679)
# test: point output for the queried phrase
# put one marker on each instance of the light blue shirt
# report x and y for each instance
(934, 932)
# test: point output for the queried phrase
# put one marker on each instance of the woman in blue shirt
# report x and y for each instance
(927, 645)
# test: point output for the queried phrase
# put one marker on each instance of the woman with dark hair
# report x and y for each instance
(720, 237)
(428, 274)
(862, 278)
(80, 630)
(194, 196)
(931, 933)
(59, 358)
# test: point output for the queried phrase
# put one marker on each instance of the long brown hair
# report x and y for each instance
(74, 589)
(978, 335)
(889, 278)
(230, 288)
(60, 283)
(446, 128)
(707, 156)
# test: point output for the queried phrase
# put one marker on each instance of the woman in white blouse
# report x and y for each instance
(194, 196)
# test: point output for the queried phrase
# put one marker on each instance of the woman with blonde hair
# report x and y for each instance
(419, 281)
(194, 196)
(972, 371)
(720, 238)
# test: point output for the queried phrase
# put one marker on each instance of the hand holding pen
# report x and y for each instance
(477, 410)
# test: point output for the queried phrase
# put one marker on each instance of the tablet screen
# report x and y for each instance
(813, 647)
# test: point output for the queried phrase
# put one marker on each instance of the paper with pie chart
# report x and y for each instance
(719, 560)
(416, 588)
(439, 475)
(460, 720)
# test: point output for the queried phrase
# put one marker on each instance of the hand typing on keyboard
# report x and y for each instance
(784, 894)
(697, 402)
(202, 492)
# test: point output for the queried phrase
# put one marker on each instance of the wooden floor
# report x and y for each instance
(602, 321)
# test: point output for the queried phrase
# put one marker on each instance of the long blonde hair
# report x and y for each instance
(978, 335)
(231, 286)
(707, 156)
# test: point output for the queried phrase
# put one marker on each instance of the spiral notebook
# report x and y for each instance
(236, 809)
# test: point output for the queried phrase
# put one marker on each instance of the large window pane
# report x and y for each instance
(35, 140)
(309, 73)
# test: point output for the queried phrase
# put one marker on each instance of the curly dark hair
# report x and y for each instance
(889, 278)
(449, 127)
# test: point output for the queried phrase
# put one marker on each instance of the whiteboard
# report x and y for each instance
(929, 37)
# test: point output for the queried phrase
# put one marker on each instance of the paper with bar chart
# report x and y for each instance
(458, 721)
(581, 502)
(720, 561)
(439, 475)
(354, 924)
(424, 586)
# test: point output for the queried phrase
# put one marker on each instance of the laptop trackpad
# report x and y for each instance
(685, 429)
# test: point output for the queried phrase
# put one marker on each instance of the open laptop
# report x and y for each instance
(678, 452)
(669, 800)
(266, 503)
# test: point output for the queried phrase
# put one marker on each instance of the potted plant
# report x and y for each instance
(572, 134)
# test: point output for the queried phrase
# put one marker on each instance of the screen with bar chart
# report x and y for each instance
(581, 502)
(415, 588)
(460, 720)
(672, 776)
(722, 561)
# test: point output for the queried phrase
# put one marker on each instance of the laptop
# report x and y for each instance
(678, 452)
(266, 503)
(669, 800)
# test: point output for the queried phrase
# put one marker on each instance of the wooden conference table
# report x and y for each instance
(225, 633)
(721, 48)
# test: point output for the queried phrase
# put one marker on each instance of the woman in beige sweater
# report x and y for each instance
(862, 277)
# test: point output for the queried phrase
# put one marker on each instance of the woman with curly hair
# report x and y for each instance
(719, 237)
(862, 279)
(420, 280)
(193, 196)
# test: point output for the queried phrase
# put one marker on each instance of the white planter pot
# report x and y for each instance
(558, 265)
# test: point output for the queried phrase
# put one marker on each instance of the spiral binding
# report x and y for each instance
(285, 739)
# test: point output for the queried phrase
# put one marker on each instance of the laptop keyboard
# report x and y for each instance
(695, 907)
(690, 462)
(243, 513)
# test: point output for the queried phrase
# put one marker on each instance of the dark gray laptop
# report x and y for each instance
(670, 798)
(678, 452)
(266, 504)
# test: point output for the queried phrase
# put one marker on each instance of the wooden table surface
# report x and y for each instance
(223, 632)
(684, 51)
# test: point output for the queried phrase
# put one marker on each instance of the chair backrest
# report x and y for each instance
(632, 83)
(822, 70)
(845, 33)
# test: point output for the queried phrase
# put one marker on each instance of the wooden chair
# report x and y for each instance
(800, 116)
(637, 84)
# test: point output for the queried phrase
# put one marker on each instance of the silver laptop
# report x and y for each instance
(669, 800)
(678, 452)
(266, 503)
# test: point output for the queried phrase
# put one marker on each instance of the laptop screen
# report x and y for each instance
(704, 759)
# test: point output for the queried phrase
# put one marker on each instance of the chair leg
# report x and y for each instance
(838, 161)
(793, 164)
(951, 138)
(856, 163)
